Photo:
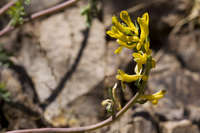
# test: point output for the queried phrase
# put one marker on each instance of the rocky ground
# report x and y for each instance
(61, 70)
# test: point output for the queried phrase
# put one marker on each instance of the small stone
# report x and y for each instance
(181, 84)
(186, 46)
(142, 125)
(37, 5)
(184, 126)
(131, 123)
(193, 113)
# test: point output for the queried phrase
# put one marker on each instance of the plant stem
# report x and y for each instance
(53, 9)
(6, 29)
(36, 15)
(85, 128)
(7, 6)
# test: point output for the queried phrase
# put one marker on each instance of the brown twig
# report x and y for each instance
(53, 9)
(44, 12)
(7, 6)
(85, 128)
(8, 28)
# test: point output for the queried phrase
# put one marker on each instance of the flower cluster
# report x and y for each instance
(135, 36)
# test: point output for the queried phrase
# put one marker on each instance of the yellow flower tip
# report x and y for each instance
(162, 92)
(110, 33)
(113, 32)
(139, 20)
(114, 20)
(118, 50)
(127, 78)
(154, 98)
(120, 75)
(136, 55)
(144, 26)
(124, 16)
(124, 44)
(140, 58)
(139, 45)
(158, 95)
(154, 102)
(146, 17)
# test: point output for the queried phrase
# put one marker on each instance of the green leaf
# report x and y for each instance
(17, 12)
(27, 2)
(90, 11)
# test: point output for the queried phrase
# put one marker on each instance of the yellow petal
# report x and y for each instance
(114, 20)
(154, 97)
(111, 34)
(146, 17)
(119, 26)
(127, 78)
(139, 45)
(122, 43)
(136, 55)
(126, 18)
(161, 92)
(140, 58)
(158, 96)
(154, 102)
(144, 27)
(118, 50)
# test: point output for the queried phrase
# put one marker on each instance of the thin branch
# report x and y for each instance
(53, 9)
(44, 12)
(5, 30)
(85, 128)
(7, 6)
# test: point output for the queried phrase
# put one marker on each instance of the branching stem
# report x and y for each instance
(85, 128)
(36, 15)
(7, 6)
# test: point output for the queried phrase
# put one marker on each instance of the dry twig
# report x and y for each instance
(7, 6)
(85, 128)
(36, 15)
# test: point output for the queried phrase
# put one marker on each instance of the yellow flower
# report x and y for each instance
(118, 50)
(123, 40)
(153, 98)
(122, 28)
(126, 18)
(141, 59)
(144, 27)
(126, 33)
(128, 78)
(124, 44)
